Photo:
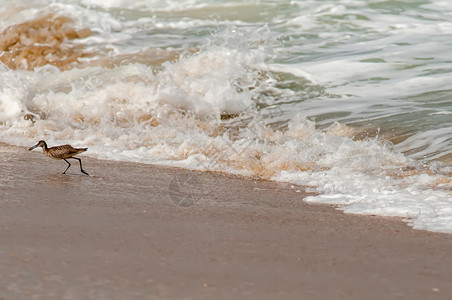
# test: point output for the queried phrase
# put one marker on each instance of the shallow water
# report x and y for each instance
(351, 98)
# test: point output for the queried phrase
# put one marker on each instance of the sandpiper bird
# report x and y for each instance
(61, 152)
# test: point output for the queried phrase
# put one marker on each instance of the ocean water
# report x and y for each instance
(352, 99)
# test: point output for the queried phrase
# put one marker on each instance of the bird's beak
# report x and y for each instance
(31, 148)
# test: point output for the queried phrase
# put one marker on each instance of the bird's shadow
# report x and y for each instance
(67, 178)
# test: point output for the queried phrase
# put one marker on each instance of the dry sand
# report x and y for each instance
(118, 235)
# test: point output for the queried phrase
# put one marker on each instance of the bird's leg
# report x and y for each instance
(69, 164)
(80, 161)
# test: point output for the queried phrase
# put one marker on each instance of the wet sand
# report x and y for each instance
(120, 235)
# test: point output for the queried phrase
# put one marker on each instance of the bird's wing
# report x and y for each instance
(64, 151)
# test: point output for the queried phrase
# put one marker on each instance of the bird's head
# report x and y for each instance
(41, 143)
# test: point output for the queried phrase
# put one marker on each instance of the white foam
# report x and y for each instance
(171, 114)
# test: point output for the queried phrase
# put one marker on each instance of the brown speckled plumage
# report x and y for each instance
(61, 152)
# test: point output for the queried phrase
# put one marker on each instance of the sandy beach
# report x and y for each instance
(136, 231)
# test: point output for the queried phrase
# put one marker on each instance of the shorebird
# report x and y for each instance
(61, 152)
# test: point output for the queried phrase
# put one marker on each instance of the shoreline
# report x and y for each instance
(136, 231)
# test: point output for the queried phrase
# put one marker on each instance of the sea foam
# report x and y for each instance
(232, 105)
